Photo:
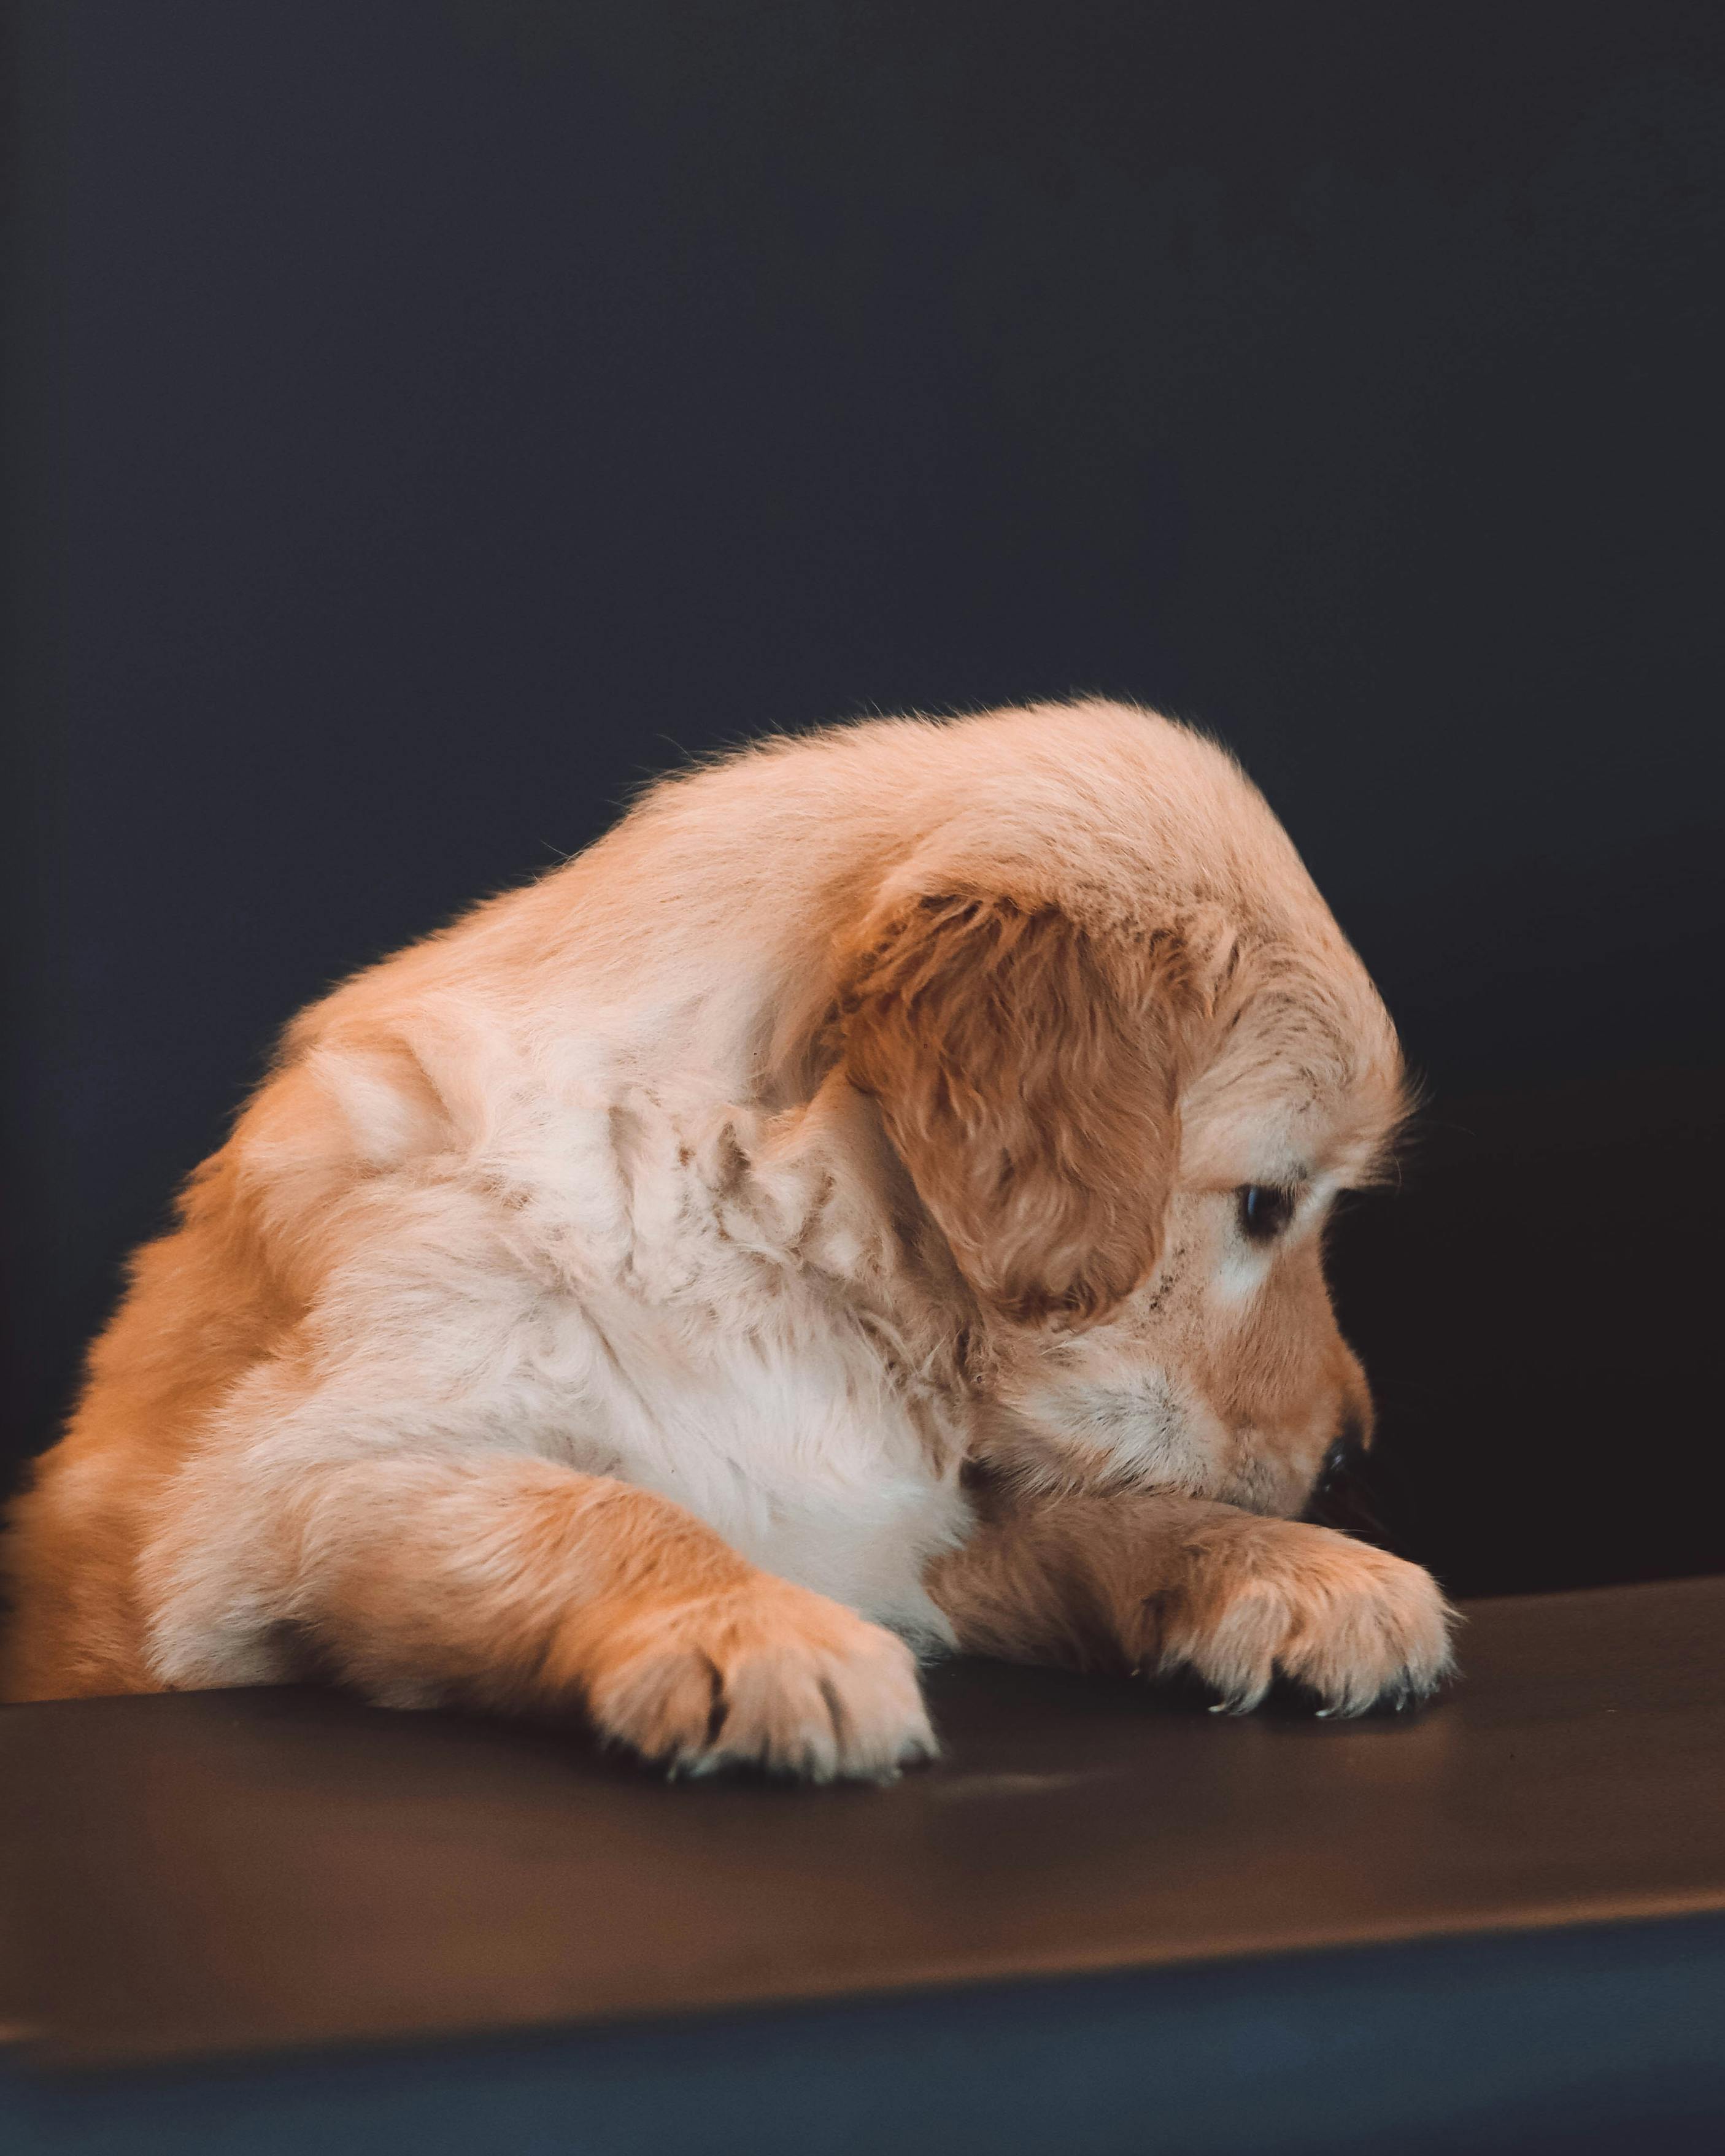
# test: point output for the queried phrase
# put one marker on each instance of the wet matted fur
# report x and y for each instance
(805, 1231)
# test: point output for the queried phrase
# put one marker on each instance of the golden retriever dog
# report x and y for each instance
(868, 1204)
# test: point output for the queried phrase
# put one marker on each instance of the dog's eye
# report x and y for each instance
(1264, 1211)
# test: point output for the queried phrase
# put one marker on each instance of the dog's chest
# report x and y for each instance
(728, 1339)
(806, 1452)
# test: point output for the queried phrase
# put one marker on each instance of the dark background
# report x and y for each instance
(425, 421)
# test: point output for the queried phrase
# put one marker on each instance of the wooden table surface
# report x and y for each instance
(212, 1873)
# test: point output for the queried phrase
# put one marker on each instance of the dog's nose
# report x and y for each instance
(1339, 1466)
(1352, 1442)
(1336, 1499)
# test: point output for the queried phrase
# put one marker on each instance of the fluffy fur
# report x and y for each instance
(800, 1231)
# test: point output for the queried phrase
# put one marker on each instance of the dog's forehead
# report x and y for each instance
(1302, 1083)
(1299, 1137)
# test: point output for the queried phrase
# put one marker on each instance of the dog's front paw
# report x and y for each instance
(1352, 1623)
(761, 1675)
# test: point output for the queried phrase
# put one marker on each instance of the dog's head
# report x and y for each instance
(1128, 1061)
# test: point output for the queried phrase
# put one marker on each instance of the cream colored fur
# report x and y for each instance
(804, 1224)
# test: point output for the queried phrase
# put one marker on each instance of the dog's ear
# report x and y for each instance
(1025, 1069)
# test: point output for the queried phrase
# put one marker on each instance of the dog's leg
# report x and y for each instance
(507, 1581)
(1158, 1583)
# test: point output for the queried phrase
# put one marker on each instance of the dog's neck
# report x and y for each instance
(845, 1212)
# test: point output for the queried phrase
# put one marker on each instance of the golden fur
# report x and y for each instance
(803, 1229)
